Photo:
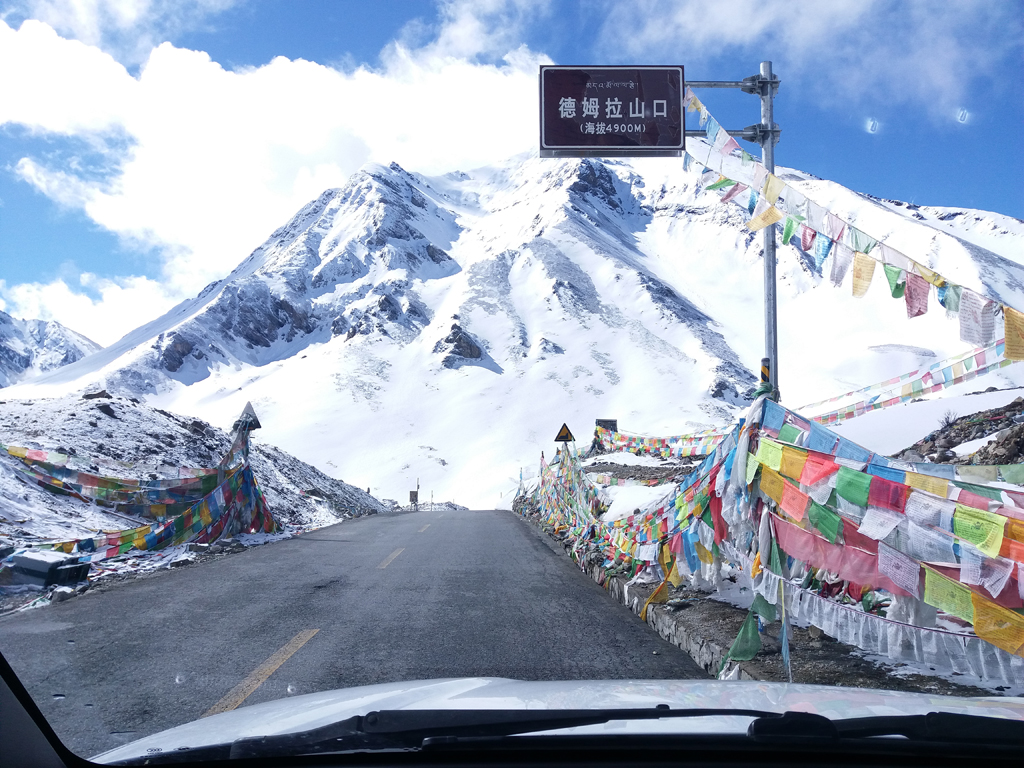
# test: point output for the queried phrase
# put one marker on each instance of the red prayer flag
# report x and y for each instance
(887, 494)
(916, 295)
(807, 236)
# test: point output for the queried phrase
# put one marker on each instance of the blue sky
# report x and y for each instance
(146, 146)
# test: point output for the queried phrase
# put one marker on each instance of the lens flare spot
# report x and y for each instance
(872, 125)
(962, 115)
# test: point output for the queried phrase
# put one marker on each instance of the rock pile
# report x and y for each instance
(1006, 448)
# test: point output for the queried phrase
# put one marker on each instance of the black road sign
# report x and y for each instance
(564, 435)
(611, 112)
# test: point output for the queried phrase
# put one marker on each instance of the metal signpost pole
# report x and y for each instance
(766, 133)
(771, 340)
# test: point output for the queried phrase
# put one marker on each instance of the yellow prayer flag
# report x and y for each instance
(937, 485)
(756, 567)
(772, 485)
(769, 453)
(863, 270)
(997, 625)
(773, 187)
(694, 105)
(948, 595)
(932, 277)
(981, 528)
(665, 557)
(1014, 322)
(793, 460)
(702, 553)
(660, 595)
(676, 578)
(770, 215)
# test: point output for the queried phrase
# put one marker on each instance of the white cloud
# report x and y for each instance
(217, 159)
(916, 52)
(129, 29)
(120, 304)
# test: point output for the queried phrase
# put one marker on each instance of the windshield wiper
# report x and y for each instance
(414, 729)
(944, 727)
(424, 729)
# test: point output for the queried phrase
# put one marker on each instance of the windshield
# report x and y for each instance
(530, 354)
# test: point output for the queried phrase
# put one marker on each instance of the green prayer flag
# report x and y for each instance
(764, 609)
(789, 433)
(1012, 473)
(981, 490)
(825, 520)
(897, 287)
(721, 183)
(706, 517)
(853, 486)
(747, 642)
(951, 301)
(789, 230)
(775, 559)
(752, 466)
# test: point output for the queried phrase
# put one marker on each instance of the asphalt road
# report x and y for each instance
(392, 597)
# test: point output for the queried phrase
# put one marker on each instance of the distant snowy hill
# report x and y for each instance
(121, 437)
(31, 347)
(441, 329)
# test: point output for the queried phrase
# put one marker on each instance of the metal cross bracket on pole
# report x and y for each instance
(766, 133)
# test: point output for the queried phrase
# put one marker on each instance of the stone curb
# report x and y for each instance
(673, 626)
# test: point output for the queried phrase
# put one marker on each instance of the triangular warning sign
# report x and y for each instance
(564, 435)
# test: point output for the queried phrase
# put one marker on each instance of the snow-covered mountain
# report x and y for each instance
(122, 437)
(31, 347)
(405, 327)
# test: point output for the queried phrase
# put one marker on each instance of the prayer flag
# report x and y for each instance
(948, 595)
(997, 625)
(951, 299)
(766, 217)
(887, 494)
(916, 295)
(834, 227)
(734, 191)
(897, 280)
(982, 529)
(863, 270)
(807, 238)
(1014, 322)
(977, 319)
(789, 229)
(773, 187)
(841, 263)
(825, 520)
(853, 486)
(860, 241)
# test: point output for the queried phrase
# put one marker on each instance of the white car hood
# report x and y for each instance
(301, 713)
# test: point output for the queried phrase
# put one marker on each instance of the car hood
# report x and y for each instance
(301, 713)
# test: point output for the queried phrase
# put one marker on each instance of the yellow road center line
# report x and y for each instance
(424, 528)
(241, 692)
(392, 556)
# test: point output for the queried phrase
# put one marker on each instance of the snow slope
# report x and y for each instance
(441, 329)
(121, 437)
